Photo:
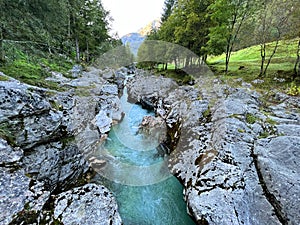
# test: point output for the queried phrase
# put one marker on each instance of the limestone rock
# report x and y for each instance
(90, 204)
(56, 164)
(9, 155)
(278, 160)
(13, 193)
(103, 122)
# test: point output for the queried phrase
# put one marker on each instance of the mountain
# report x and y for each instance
(137, 38)
(153, 25)
(134, 40)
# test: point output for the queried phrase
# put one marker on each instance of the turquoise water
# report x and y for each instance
(147, 194)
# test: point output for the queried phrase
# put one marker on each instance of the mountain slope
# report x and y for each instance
(136, 39)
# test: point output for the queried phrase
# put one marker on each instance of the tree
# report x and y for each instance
(295, 24)
(227, 18)
(188, 26)
(273, 19)
(168, 8)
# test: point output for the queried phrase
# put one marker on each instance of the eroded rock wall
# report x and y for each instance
(45, 140)
(236, 155)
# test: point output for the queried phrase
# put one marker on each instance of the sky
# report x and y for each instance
(131, 15)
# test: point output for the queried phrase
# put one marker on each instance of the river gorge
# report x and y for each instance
(227, 156)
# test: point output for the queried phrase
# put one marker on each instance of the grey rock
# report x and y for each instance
(14, 193)
(246, 85)
(288, 129)
(109, 89)
(76, 71)
(56, 164)
(103, 122)
(258, 81)
(9, 155)
(39, 196)
(39, 129)
(110, 102)
(150, 87)
(90, 204)
(278, 160)
(108, 74)
(17, 101)
(58, 77)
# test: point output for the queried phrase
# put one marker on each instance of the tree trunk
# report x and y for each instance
(2, 56)
(87, 52)
(263, 58)
(175, 61)
(270, 58)
(166, 66)
(227, 59)
(77, 49)
(297, 63)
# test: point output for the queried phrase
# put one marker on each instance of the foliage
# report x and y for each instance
(272, 26)
(251, 119)
(34, 69)
(75, 28)
(168, 8)
(187, 26)
(223, 26)
(293, 90)
(228, 16)
(245, 63)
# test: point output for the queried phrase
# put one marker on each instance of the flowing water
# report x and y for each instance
(147, 194)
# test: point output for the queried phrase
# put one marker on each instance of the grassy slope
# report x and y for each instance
(281, 66)
(283, 60)
(33, 68)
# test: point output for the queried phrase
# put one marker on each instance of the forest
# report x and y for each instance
(215, 27)
(37, 34)
(75, 28)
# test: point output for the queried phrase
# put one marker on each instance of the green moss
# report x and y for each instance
(34, 68)
(56, 105)
(270, 121)
(264, 134)
(30, 73)
(293, 89)
(241, 130)
(67, 140)
(250, 118)
(206, 113)
(6, 134)
(3, 78)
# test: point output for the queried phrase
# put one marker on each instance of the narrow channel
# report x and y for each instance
(147, 194)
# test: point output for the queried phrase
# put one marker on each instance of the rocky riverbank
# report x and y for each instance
(46, 138)
(235, 153)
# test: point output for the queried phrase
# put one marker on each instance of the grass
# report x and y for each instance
(251, 119)
(33, 69)
(286, 50)
(245, 64)
(29, 73)
(178, 75)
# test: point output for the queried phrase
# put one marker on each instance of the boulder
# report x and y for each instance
(17, 100)
(103, 122)
(76, 71)
(279, 163)
(14, 193)
(90, 204)
(9, 155)
(57, 164)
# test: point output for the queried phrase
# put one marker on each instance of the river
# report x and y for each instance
(147, 194)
